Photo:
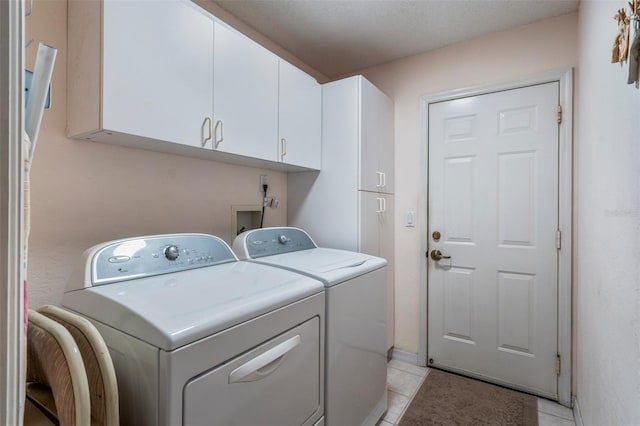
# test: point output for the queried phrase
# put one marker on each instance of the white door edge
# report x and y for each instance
(565, 79)
(11, 296)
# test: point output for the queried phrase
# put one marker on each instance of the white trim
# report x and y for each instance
(565, 79)
(423, 226)
(577, 416)
(565, 221)
(11, 274)
(404, 356)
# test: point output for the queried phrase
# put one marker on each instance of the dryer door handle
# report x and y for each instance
(354, 265)
(265, 363)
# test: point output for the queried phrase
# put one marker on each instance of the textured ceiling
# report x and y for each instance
(339, 37)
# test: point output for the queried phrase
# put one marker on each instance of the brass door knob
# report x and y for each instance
(437, 255)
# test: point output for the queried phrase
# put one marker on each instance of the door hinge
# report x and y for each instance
(559, 239)
(558, 364)
(559, 114)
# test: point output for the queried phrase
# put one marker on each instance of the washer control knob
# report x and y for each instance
(282, 239)
(171, 252)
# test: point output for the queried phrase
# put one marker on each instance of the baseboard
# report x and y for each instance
(404, 356)
(577, 417)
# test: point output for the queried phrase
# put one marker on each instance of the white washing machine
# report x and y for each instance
(200, 338)
(356, 316)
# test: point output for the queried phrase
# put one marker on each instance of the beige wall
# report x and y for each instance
(499, 57)
(608, 229)
(84, 193)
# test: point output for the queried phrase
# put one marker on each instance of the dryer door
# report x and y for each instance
(277, 383)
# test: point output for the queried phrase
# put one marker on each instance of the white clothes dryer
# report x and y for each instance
(199, 338)
(356, 317)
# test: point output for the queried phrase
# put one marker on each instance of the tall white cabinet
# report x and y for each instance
(349, 204)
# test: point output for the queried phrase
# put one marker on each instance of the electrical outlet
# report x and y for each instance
(263, 181)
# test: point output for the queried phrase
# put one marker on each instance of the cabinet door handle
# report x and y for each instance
(379, 200)
(384, 204)
(384, 179)
(283, 148)
(220, 124)
(208, 138)
(264, 364)
(379, 184)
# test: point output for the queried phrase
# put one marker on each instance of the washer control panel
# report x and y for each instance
(148, 256)
(271, 241)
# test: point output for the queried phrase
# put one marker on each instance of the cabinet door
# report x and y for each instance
(386, 241)
(377, 239)
(157, 67)
(385, 120)
(245, 106)
(376, 139)
(370, 208)
(370, 175)
(299, 117)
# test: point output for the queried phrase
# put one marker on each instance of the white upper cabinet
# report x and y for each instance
(376, 139)
(156, 83)
(299, 124)
(245, 82)
(167, 76)
(147, 75)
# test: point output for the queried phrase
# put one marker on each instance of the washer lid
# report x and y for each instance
(331, 266)
(293, 249)
(172, 310)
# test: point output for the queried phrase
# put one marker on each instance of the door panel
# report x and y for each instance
(459, 182)
(515, 316)
(517, 199)
(493, 196)
(458, 304)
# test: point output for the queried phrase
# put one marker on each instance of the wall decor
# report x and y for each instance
(626, 45)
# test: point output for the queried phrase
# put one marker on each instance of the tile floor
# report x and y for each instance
(404, 380)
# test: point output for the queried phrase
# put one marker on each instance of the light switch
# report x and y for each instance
(411, 219)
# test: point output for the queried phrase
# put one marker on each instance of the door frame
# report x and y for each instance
(12, 336)
(565, 134)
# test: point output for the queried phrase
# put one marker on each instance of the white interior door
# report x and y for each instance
(493, 197)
